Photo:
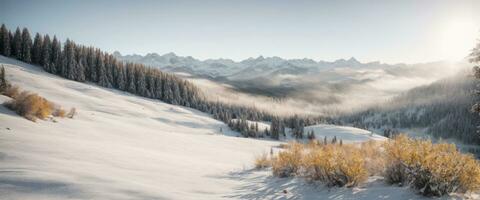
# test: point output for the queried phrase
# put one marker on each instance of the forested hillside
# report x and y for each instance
(89, 64)
(443, 108)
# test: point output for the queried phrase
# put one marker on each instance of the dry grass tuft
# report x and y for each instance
(262, 161)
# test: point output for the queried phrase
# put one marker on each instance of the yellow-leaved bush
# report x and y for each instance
(288, 162)
(31, 105)
(336, 165)
(432, 169)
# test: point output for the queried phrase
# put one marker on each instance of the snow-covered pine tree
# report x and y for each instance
(167, 90)
(131, 87)
(45, 55)
(176, 92)
(158, 86)
(56, 56)
(91, 65)
(120, 79)
(4, 41)
(109, 69)
(26, 52)
(140, 83)
(69, 62)
(150, 83)
(101, 70)
(17, 44)
(80, 69)
(37, 49)
(475, 58)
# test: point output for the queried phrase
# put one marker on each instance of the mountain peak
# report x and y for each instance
(353, 60)
(350, 62)
(171, 54)
(117, 54)
(152, 55)
(259, 58)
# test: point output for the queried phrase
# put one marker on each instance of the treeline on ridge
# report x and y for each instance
(86, 63)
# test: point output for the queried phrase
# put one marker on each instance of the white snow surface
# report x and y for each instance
(345, 133)
(120, 146)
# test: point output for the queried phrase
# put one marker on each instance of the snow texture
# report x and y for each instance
(120, 146)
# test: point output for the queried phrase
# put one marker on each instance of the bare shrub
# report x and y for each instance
(59, 112)
(71, 113)
(12, 91)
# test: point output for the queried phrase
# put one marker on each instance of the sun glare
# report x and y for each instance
(457, 37)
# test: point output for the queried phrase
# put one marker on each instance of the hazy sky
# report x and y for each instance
(389, 31)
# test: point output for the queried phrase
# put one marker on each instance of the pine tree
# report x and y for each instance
(140, 81)
(131, 79)
(4, 41)
(45, 55)
(37, 49)
(17, 44)
(109, 70)
(176, 93)
(158, 86)
(26, 52)
(69, 63)
(79, 69)
(56, 57)
(475, 58)
(150, 83)
(120, 77)
(101, 70)
(91, 65)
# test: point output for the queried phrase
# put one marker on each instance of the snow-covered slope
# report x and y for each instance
(345, 133)
(121, 146)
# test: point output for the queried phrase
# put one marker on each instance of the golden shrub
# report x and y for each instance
(287, 162)
(336, 165)
(433, 169)
(31, 106)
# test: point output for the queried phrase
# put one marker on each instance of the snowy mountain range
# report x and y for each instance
(245, 69)
(314, 81)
